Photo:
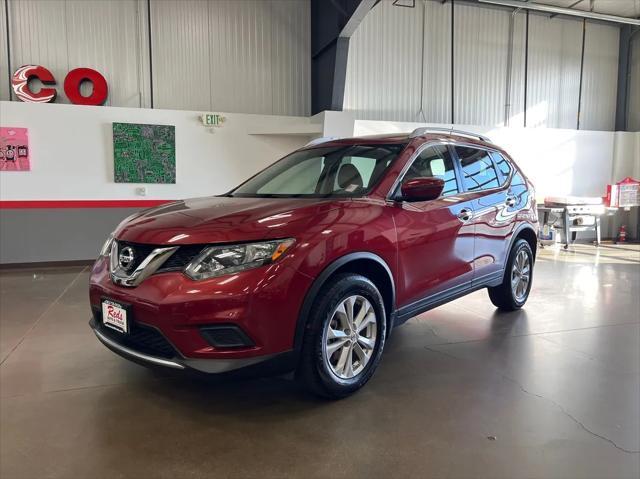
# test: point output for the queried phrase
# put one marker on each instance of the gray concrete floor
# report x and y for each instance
(462, 391)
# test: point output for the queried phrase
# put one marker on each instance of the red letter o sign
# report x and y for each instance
(76, 77)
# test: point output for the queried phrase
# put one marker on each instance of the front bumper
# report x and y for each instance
(209, 366)
(264, 303)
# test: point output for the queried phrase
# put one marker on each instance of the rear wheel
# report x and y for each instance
(345, 337)
(516, 285)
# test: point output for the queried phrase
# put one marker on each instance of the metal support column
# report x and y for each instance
(333, 22)
(624, 72)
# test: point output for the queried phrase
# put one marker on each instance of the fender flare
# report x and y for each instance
(320, 281)
(517, 231)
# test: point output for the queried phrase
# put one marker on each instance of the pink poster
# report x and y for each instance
(14, 149)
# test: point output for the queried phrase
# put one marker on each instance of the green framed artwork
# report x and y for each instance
(144, 153)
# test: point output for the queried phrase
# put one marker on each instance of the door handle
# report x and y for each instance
(465, 214)
(510, 201)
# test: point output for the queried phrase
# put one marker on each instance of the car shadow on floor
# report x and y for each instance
(505, 325)
(237, 394)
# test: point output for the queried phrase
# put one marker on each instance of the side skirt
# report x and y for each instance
(409, 311)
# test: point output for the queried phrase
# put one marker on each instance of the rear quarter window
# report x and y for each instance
(502, 165)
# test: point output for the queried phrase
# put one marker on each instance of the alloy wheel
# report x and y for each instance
(349, 338)
(521, 276)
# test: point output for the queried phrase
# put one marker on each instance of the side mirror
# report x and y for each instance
(422, 189)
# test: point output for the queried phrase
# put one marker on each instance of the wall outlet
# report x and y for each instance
(141, 191)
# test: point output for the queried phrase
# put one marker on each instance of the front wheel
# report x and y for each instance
(344, 339)
(516, 285)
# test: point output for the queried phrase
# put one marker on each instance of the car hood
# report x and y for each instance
(222, 220)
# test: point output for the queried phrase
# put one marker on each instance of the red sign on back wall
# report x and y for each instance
(72, 82)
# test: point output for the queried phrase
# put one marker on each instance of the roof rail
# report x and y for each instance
(321, 140)
(450, 131)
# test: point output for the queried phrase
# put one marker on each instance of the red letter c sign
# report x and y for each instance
(20, 84)
(75, 78)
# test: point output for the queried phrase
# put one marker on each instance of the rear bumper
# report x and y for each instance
(277, 362)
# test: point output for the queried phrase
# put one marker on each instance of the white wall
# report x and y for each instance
(386, 63)
(248, 56)
(72, 152)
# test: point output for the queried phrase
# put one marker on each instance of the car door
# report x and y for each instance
(486, 187)
(435, 238)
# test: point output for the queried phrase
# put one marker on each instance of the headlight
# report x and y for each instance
(218, 260)
(106, 247)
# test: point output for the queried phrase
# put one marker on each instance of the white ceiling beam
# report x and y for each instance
(357, 17)
(540, 7)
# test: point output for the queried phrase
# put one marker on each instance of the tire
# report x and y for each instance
(326, 373)
(508, 298)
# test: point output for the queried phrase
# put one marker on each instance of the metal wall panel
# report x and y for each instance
(555, 46)
(251, 56)
(181, 53)
(103, 34)
(385, 68)
(4, 65)
(515, 114)
(65, 34)
(600, 77)
(241, 69)
(633, 121)
(291, 57)
(254, 56)
(481, 51)
(38, 35)
(382, 67)
(436, 98)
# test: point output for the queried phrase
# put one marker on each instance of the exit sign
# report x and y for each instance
(212, 119)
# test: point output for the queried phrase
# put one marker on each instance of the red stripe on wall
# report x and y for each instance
(53, 204)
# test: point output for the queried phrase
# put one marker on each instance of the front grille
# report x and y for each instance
(141, 338)
(181, 258)
(140, 252)
(177, 261)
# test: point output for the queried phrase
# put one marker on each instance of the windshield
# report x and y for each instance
(331, 171)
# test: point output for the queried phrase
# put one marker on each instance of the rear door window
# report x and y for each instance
(478, 172)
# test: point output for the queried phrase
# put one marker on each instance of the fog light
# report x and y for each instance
(226, 336)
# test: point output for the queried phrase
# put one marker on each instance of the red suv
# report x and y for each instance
(312, 262)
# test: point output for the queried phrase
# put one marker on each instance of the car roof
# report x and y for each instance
(404, 139)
